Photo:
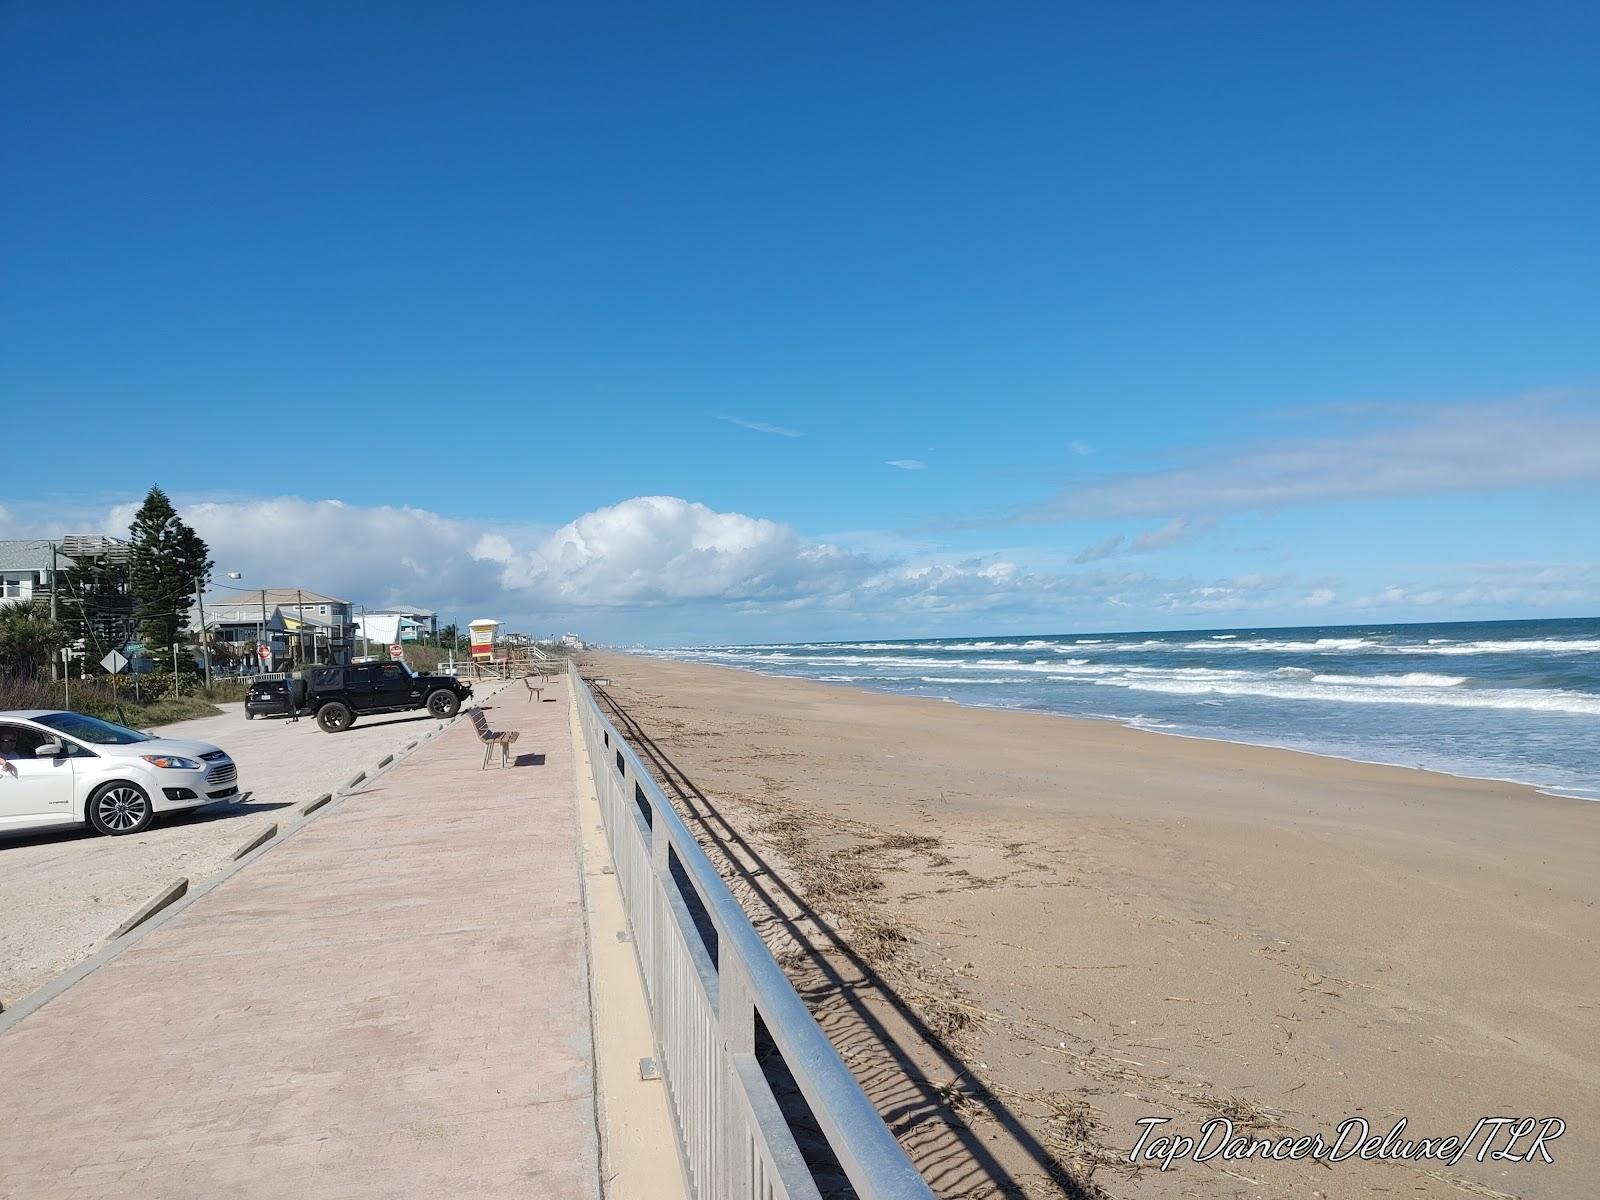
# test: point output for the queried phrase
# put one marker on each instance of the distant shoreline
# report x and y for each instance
(1128, 724)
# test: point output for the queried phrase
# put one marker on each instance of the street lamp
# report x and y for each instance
(205, 646)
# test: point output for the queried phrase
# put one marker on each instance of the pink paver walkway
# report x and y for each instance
(391, 1003)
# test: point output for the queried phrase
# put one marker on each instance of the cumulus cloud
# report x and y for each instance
(759, 426)
(666, 568)
(1535, 442)
(691, 565)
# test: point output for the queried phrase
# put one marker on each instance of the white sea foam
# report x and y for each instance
(1528, 646)
(1411, 679)
(1507, 699)
(1270, 646)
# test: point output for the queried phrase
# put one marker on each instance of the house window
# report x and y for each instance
(10, 587)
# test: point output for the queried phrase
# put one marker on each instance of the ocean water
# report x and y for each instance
(1517, 700)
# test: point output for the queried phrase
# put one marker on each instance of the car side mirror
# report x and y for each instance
(49, 750)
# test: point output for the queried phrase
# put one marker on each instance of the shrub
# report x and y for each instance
(227, 691)
(97, 698)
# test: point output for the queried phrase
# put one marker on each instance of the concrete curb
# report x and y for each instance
(266, 835)
(13, 1014)
(311, 806)
(168, 894)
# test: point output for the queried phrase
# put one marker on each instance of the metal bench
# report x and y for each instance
(534, 689)
(490, 739)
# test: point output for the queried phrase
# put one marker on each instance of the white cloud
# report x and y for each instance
(1104, 548)
(1082, 448)
(1536, 442)
(907, 464)
(666, 568)
(759, 426)
(719, 571)
(1179, 529)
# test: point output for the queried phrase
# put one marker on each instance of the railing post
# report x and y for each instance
(736, 1022)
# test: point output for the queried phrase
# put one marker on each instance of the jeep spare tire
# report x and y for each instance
(444, 703)
(335, 716)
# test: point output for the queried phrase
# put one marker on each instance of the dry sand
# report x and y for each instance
(1026, 932)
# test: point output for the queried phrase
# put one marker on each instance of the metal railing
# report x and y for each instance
(710, 982)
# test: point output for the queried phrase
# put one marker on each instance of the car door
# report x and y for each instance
(392, 686)
(33, 790)
(358, 687)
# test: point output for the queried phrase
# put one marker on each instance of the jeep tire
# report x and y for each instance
(335, 717)
(443, 703)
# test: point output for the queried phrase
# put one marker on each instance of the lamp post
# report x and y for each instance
(205, 647)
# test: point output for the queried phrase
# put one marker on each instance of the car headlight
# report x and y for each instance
(171, 761)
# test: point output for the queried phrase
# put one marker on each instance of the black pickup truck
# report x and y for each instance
(338, 695)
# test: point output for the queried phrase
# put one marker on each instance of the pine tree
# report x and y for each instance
(167, 560)
(97, 605)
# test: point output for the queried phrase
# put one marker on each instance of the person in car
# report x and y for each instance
(9, 750)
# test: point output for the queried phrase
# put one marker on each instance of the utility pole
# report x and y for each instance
(53, 608)
(300, 629)
(264, 626)
(205, 650)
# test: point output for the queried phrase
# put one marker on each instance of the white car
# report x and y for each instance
(63, 768)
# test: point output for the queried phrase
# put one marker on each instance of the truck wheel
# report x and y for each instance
(334, 717)
(444, 703)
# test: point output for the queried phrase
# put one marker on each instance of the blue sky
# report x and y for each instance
(1298, 302)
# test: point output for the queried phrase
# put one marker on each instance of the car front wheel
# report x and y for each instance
(120, 808)
(335, 717)
(444, 704)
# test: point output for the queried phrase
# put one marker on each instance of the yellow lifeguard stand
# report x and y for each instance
(485, 631)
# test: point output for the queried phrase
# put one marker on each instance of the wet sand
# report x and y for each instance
(1028, 932)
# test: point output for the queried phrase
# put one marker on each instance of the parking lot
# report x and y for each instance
(62, 893)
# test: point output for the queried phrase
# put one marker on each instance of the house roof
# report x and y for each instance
(25, 555)
(286, 597)
(33, 554)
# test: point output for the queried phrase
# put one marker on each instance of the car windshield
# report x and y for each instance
(92, 730)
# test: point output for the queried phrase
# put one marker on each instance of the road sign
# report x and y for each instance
(397, 651)
(264, 653)
(114, 662)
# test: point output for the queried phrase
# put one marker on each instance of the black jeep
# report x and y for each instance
(337, 695)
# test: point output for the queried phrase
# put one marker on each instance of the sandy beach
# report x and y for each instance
(1027, 933)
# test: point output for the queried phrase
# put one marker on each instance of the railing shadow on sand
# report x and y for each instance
(839, 986)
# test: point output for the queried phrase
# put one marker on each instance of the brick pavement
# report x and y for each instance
(393, 1003)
